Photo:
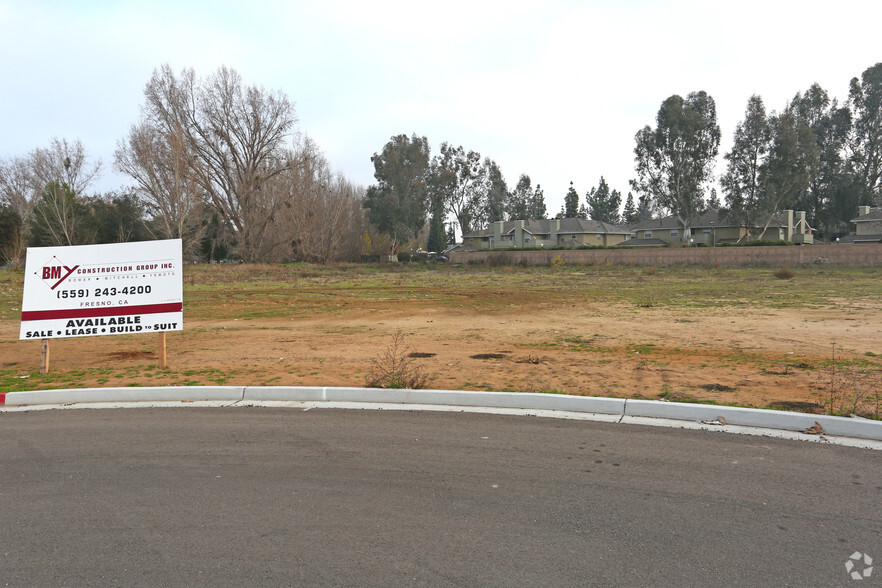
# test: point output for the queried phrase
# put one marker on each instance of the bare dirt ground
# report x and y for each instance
(753, 357)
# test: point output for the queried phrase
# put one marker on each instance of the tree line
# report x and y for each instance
(814, 155)
(222, 166)
(214, 162)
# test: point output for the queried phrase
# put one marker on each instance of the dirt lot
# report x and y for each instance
(524, 339)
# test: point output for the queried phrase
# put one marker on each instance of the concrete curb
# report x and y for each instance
(158, 394)
(754, 417)
(747, 417)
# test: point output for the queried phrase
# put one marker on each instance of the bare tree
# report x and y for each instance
(17, 191)
(324, 209)
(63, 163)
(17, 185)
(236, 135)
(165, 172)
(61, 174)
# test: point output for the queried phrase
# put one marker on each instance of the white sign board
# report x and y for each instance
(110, 289)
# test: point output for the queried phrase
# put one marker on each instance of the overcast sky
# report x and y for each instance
(553, 89)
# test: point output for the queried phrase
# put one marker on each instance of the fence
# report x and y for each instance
(867, 254)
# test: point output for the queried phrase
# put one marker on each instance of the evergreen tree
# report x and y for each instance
(865, 99)
(603, 204)
(630, 214)
(451, 235)
(571, 203)
(536, 208)
(437, 240)
(460, 179)
(497, 194)
(742, 181)
(397, 204)
(518, 205)
(714, 202)
(675, 160)
(830, 124)
(645, 207)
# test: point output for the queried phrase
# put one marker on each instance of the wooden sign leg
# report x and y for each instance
(44, 357)
(162, 361)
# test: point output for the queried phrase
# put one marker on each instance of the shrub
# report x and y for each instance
(784, 274)
(404, 257)
(396, 368)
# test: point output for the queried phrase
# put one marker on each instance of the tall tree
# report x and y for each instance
(629, 213)
(713, 202)
(518, 205)
(865, 144)
(63, 163)
(323, 210)
(536, 209)
(792, 162)
(603, 203)
(59, 218)
(437, 239)
(830, 125)
(675, 160)
(165, 172)
(461, 180)
(397, 204)
(497, 194)
(646, 208)
(11, 243)
(18, 195)
(238, 137)
(18, 187)
(742, 181)
(571, 203)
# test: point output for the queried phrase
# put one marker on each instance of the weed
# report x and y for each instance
(394, 368)
(851, 389)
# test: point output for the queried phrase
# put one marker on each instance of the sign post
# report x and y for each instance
(44, 357)
(89, 290)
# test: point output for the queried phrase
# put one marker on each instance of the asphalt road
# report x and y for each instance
(259, 496)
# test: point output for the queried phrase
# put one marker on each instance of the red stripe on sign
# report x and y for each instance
(74, 313)
(2, 398)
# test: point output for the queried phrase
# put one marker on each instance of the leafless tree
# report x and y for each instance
(17, 185)
(63, 163)
(323, 208)
(164, 170)
(17, 191)
(237, 136)
(60, 174)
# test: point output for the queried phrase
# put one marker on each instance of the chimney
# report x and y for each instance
(863, 210)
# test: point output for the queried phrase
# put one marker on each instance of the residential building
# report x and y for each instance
(867, 226)
(566, 232)
(712, 228)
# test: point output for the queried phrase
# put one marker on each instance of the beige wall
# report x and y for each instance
(868, 254)
(868, 228)
(502, 242)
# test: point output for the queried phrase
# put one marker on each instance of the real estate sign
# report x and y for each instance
(111, 289)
